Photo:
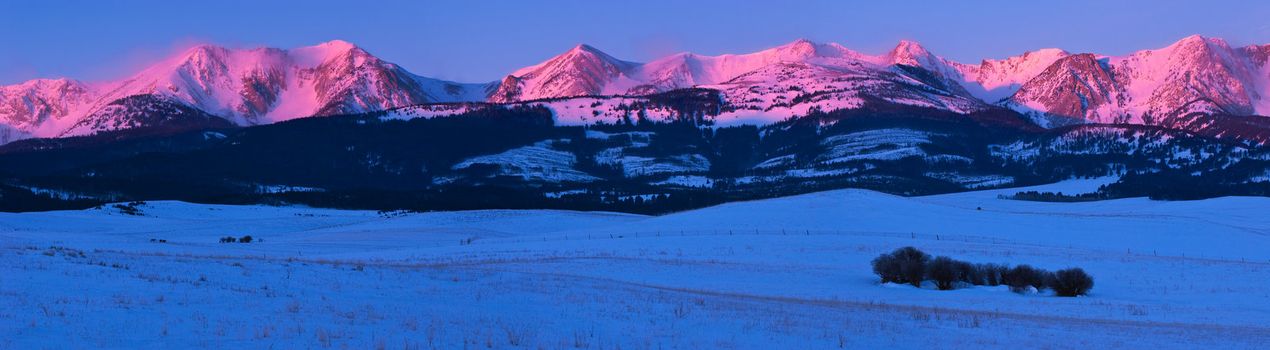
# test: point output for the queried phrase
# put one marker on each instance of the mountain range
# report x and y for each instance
(242, 87)
(332, 125)
(1197, 84)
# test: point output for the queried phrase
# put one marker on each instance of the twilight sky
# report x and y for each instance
(476, 41)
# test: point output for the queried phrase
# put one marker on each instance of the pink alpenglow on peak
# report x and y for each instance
(581, 71)
(1193, 75)
(242, 86)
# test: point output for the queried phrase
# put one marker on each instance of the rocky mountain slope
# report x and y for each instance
(1195, 75)
(244, 87)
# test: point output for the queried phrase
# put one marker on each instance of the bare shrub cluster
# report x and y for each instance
(909, 265)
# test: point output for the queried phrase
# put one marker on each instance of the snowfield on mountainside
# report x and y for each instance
(790, 272)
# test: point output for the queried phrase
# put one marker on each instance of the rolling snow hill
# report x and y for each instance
(788, 272)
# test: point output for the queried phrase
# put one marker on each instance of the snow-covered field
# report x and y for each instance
(786, 273)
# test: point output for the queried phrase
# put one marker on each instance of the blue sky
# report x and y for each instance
(475, 41)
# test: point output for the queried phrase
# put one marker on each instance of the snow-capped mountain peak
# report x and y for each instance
(311, 56)
(1195, 41)
(803, 49)
(582, 70)
(336, 45)
(41, 106)
(910, 53)
(580, 54)
(995, 79)
(1074, 87)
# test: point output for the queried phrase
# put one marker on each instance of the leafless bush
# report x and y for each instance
(904, 265)
(1071, 282)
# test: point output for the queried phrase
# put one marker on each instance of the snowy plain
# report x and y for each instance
(784, 273)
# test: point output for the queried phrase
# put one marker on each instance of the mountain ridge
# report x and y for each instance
(243, 86)
(1171, 86)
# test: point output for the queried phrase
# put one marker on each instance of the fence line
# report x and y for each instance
(619, 235)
